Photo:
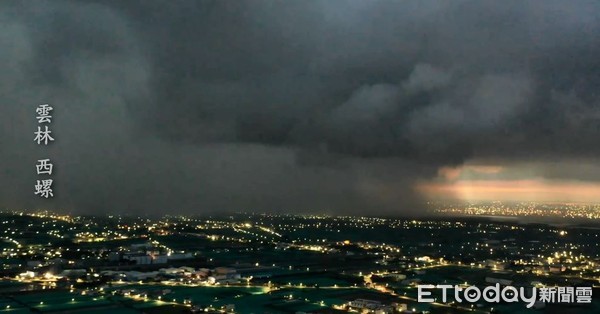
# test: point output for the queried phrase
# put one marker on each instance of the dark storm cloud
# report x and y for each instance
(191, 106)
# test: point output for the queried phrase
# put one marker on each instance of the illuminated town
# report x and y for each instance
(265, 263)
(582, 211)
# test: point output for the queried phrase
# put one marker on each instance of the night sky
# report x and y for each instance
(337, 107)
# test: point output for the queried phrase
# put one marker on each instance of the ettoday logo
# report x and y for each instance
(509, 294)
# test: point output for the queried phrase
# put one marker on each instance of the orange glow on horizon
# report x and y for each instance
(453, 173)
(514, 190)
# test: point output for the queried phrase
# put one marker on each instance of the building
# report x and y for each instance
(370, 306)
(138, 258)
(145, 259)
(179, 256)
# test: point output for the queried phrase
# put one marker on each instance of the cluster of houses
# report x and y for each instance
(146, 254)
(376, 307)
(183, 274)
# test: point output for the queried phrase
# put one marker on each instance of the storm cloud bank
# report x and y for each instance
(291, 106)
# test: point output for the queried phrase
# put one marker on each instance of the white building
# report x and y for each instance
(179, 256)
(371, 306)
